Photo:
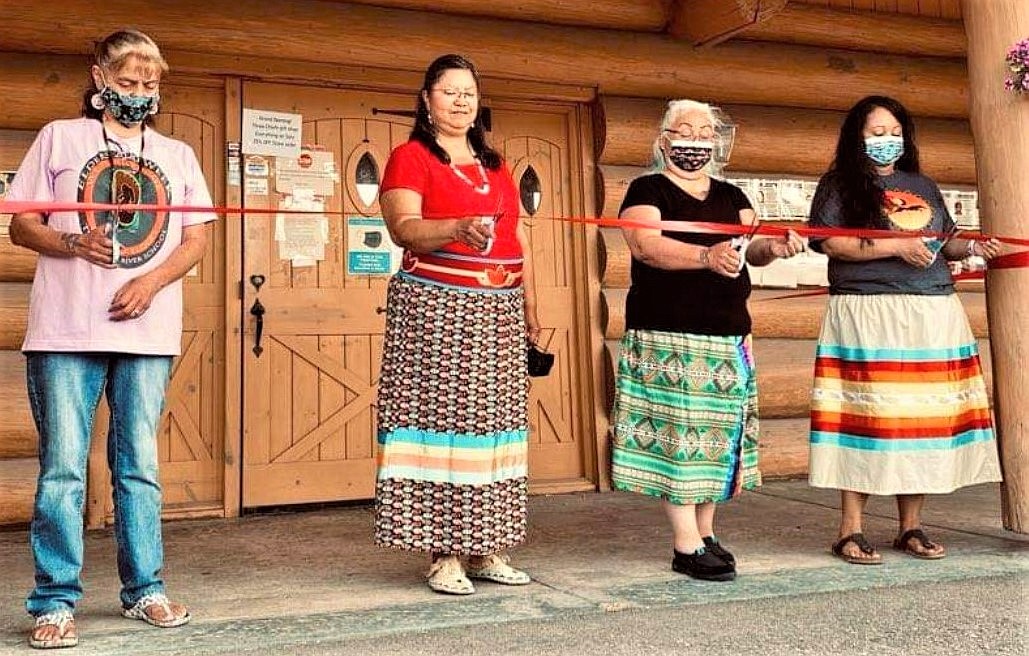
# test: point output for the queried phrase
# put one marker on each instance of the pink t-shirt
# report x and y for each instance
(69, 161)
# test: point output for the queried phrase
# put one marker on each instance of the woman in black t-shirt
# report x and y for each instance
(685, 416)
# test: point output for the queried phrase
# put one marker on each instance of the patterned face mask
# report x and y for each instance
(128, 110)
(884, 150)
(690, 156)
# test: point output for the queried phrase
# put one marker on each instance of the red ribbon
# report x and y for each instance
(1008, 261)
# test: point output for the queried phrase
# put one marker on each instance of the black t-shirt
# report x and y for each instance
(696, 301)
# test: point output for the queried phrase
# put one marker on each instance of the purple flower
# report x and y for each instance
(1017, 60)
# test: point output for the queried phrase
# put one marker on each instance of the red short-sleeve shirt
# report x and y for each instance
(446, 196)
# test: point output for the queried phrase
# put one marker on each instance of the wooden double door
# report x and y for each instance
(308, 394)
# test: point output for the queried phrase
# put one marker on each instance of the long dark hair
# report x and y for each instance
(425, 132)
(853, 174)
(112, 53)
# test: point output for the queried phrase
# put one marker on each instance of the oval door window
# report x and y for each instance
(529, 190)
(366, 179)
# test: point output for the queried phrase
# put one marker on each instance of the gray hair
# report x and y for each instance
(719, 121)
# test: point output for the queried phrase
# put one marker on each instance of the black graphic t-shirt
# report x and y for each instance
(696, 301)
(913, 202)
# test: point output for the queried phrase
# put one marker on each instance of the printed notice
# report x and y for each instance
(271, 133)
(312, 169)
(302, 237)
(370, 251)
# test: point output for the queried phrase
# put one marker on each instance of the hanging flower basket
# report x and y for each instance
(1018, 67)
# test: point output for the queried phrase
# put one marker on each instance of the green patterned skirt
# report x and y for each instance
(685, 417)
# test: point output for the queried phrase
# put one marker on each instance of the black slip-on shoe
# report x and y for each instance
(703, 565)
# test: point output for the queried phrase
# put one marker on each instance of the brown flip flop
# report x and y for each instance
(903, 543)
(862, 544)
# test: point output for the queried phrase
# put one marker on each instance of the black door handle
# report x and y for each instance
(257, 311)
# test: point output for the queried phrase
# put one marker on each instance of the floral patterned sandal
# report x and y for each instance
(138, 611)
(64, 621)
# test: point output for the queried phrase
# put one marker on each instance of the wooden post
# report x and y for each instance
(1000, 124)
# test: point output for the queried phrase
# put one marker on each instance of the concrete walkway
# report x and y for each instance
(275, 582)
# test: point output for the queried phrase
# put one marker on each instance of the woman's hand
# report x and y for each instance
(95, 247)
(987, 250)
(723, 259)
(913, 251)
(133, 299)
(786, 246)
(532, 324)
(472, 233)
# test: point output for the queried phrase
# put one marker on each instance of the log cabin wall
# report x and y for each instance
(785, 80)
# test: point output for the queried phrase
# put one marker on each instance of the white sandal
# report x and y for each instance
(446, 575)
(138, 611)
(62, 619)
(495, 568)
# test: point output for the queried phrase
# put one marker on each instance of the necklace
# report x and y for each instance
(479, 189)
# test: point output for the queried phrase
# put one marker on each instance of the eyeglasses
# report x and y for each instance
(689, 133)
(454, 94)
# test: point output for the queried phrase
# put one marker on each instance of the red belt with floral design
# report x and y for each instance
(463, 270)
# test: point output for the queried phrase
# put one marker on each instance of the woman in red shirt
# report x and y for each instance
(453, 394)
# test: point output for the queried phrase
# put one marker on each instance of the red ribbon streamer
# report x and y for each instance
(1008, 261)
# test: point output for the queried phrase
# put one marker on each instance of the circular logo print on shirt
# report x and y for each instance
(908, 211)
(140, 234)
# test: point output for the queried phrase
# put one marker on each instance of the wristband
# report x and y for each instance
(704, 262)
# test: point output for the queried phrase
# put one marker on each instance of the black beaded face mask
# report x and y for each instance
(689, 156)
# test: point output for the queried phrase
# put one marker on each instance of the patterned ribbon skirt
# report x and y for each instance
(452, 419)
(685, 417)
(899, 404)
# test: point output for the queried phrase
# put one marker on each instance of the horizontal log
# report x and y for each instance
(804, 24)
(638, 15)
(14, 314)
(16, 264)
(770, 74)
(801, 318)
(783, 447)
(615, 259)
(785, 372)
(612, 312)
(709, 22)
(946, 148)
(17, 489)
(18, 437)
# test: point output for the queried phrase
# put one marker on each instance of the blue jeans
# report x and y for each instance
(64, 391)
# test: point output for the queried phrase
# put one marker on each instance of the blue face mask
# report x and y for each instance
(884, 150)
(128, 110)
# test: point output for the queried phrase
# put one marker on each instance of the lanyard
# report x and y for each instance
(122, 217)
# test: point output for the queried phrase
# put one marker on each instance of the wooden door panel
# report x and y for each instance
(539, 140)
(191, 434)
(309, 424)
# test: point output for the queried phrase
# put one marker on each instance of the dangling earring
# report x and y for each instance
(96, 101)
(431, 122)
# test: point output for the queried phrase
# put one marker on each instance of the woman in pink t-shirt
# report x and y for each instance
(453, 395)
(105, 316)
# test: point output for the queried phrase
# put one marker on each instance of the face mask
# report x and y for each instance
(690, 156)
(884, 150)
(128, 110)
